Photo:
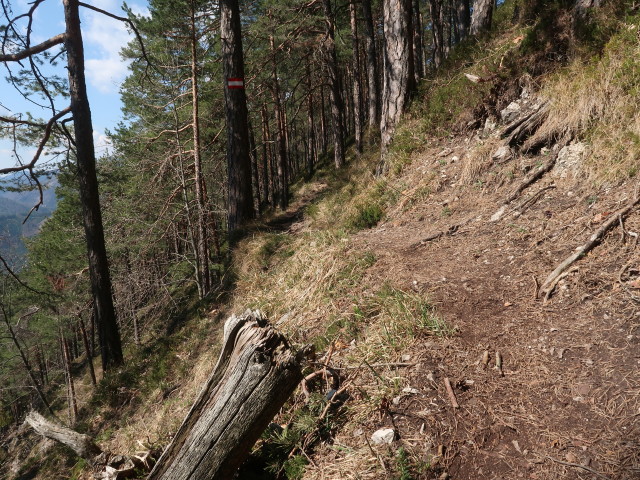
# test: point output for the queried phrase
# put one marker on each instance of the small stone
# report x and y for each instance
(571, 457)
(357, 432)
(510, 113)
(383, 436)
(406, 358)
(411, 391)
(396, 400)
(431, 377)
(503, 154)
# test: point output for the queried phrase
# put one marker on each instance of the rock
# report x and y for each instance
(406, 358)
(503, 154)
(510, 113)
(489, 125)
(498, 215)
(411, 391)
(383, 436)
(569, 160)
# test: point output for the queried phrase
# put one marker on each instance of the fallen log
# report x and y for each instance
(83, 445)
(255, 374)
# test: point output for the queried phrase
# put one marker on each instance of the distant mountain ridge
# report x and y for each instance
(17, 199)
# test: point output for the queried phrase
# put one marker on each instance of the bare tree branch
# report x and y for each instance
(43, 141)
(122, 19)
(27, 52)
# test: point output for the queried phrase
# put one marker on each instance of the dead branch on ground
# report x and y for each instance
(595, 239)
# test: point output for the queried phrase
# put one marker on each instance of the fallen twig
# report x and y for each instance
(594, 240)
(452, 396)
(553, 285)
(577, 465)
(452, 230)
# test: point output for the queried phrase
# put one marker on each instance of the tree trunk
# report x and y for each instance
(418, 56)
(25, 361)
(337, 106)
(373, 80)
(323, 124)
(255, 175)
(311, 140)
(436, 11)
(85, 342)
(202, 242)
(238, 161)
(481, 16)
(281, 141)
(267, 179)
(71, 390)
(463, 19)
(357, 88)
(399, 79)
(254, 376)
(111, 346)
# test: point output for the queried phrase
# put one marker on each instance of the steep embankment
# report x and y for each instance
(453, 284)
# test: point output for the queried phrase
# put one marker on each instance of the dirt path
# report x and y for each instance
(568, 401)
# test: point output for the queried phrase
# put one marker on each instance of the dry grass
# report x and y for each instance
(599, 102)
(478, 160)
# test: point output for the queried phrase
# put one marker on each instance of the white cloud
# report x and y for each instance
(105, 37)
(102, 143)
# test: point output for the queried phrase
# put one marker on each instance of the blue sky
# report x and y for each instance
(103, 38)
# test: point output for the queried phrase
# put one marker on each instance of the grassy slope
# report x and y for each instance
(313, 278)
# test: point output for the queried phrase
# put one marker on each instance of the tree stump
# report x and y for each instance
(255, 375)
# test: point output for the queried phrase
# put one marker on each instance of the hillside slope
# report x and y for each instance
(433, 275)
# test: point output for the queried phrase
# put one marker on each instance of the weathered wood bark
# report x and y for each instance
(373, 80)
(82, 444)
(110, 343)
(481, 16)
(337, 105)
(254, 376)
(399, 80)
(238, 162)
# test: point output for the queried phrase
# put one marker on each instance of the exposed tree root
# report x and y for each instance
(452, 230)
(529, 180)
(595, 239)
(517, 132)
